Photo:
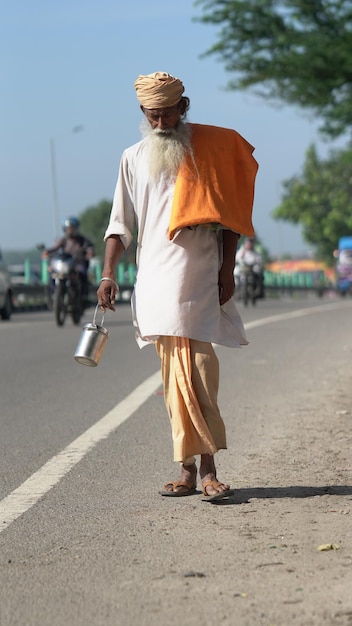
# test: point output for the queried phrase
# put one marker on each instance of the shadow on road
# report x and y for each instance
(242, 496)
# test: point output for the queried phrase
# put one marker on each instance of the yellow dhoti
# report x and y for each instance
(190, 373)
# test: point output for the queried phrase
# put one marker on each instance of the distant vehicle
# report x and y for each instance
(250, 284)
(5, 291)
(344, 266)
(68, 293)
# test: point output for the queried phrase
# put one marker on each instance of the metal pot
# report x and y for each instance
(92, 342)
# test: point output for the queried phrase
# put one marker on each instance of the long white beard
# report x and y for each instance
(167, 148)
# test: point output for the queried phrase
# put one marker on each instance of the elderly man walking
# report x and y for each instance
(189, 190)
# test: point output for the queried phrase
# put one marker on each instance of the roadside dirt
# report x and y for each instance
(279, 552)
(298, 558)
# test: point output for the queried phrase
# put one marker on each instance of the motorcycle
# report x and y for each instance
(67, 289)
(250, 284)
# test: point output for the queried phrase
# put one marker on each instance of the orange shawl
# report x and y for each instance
(216, 184)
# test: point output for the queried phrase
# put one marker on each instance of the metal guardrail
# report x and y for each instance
(35, 297)
(27, 296)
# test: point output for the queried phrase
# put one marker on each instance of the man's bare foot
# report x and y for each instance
(185, 485)
(211, 486)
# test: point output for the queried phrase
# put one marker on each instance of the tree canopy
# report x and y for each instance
(295, 51)
(320, 200)
(93, 223)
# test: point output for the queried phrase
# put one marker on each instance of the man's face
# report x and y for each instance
(165, 118)
(167, 139)
(70, 231)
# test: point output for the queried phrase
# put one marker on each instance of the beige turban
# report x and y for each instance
(158, 90)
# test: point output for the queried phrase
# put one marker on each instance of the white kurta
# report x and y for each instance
(176, 289)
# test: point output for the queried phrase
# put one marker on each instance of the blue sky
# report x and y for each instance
(72, 63)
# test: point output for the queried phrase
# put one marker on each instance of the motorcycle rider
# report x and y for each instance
(248, 256)
(76, 245)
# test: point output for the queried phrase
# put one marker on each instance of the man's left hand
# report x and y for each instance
(226, 284)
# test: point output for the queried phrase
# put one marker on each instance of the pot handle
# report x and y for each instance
(95, 315)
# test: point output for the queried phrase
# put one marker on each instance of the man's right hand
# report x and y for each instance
(107, 292)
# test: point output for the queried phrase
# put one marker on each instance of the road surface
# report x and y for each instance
(85, 538)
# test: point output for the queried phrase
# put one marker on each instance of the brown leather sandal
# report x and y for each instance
(179, 488)
(215, 496)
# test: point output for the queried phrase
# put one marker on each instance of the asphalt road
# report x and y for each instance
(85, 538)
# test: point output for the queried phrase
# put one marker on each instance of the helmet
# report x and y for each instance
(70, 222)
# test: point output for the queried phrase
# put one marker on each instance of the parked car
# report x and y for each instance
(5, 291)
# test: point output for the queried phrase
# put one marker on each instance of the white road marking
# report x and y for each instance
(40, 483)
(300, 313)
(37, 485)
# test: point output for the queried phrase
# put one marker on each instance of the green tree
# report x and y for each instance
(320, 200)
(295, 51)
(94, 221)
